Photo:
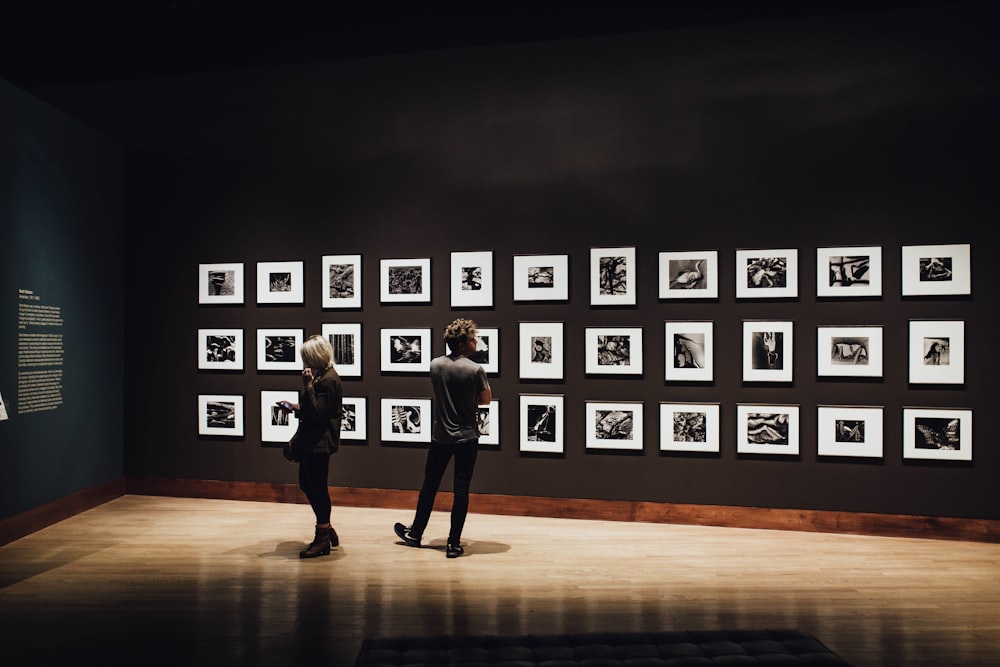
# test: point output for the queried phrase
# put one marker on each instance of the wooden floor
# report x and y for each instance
(173, 581)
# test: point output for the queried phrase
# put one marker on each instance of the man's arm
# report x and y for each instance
(485, 396)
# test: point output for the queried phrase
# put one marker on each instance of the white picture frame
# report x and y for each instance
(849, 431)
(689, 275)
(220, 283)
(934, 270)
(614, 425)
(280, 282)
(541, 350)
(613, 350)
(768, 351)
(940, 434)
(689, 427)
(276, 425)
(767, 429)
(541, 277)
(220, 349)
(542, 422)
(937, 352)
(341, 281)
(472, 279)
(613, 276)
(849, 271)
(220, 415)
(406, 420)
(278, 350)
(405, 280)
(767, 274)
(852, 351)
(689, 351)
(487, 352)
(354, 418)
(405, 350)
(488, 421)
(345, 339)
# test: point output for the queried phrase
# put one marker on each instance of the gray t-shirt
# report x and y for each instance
(457, 383)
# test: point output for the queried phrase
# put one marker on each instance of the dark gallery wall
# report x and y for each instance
(61, 244)
(853, 130)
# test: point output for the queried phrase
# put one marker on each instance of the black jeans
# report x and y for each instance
(314, 471)
(438, 457)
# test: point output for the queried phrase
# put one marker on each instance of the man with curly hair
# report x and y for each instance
(460, 387)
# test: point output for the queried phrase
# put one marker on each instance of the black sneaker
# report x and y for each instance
(403, 533)
(454, 550)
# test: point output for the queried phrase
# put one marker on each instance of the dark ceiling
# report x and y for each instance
(45, 43)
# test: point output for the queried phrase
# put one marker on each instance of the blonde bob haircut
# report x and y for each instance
(317, 352)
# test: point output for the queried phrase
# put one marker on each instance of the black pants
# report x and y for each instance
(314, 471)
(437, 461)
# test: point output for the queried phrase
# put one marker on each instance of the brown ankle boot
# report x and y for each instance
(320, 545)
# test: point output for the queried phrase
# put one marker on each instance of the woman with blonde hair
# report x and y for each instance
(317, 437)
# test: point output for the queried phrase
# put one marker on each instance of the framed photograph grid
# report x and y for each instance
(614, 425)
(851, 271)
(278, 349)
(276, 425)
(689, 351)
(354, 418)
(767, 429)
(540, 346)
(406, 350)
(541, 422)
(345, 339)
(944, 269)
(767, 351)
(849, 351)
(488, 421)
(220, 414)
(767, 274)
(937, 352)
(406, 419)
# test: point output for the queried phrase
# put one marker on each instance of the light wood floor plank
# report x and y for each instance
(157, 580)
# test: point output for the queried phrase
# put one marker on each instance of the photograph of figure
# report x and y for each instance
(936, 351)
(849, 350)
(341, 281)
(689, 350)
(935, 269)
(541, 277)
(541, 349)
(279, 349)
(849, 430)
(279, 281)
(542, 422)
(767, 272)
(406, 280)
(767, 428)
(220, 414)
(767, 350)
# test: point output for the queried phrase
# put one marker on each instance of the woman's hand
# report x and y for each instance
(307, 377)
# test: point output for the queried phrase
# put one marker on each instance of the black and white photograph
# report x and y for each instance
(943, 434)
(220, 414)
(613, 350)
(849, 351)
(487, 352)
(849, 430)
(937, 352)
(341, 281)
(613, 276)
(406, 419)
(540, 346)
(852, 271)
(689, 275)
(354, 418)
(767, 351)
(488, 420)
(220, 283)
(279, 282)
(345, 339)
(472, 279)
(276, 425)
(405, 280)
(767, 274)
(220, 349)
(689, 427)
(278, 350)
(944, 269)
(767, 429)
(614, 425)
(689, 351)
(406, 350)
(541, 277)
(542, 423)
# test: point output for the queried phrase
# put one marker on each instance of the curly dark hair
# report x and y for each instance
(458, 331)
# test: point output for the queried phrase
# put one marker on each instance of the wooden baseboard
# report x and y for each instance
(858, 523)
(25, 523)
